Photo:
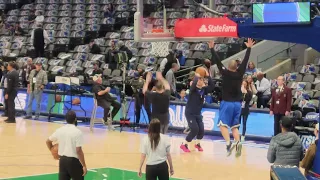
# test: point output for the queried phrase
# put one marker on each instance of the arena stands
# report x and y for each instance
(71, 24)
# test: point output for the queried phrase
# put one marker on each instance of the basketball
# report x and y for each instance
(54, 151)
(201, 71)
(58, 98)
(76, 101)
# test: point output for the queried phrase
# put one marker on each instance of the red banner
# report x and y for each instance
(205, 27)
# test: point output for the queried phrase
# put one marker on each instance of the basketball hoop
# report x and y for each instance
(159, 49)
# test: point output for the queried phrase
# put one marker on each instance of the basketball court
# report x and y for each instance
(115, 155)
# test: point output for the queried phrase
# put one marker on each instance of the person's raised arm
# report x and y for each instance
(146, 84)
(163, 81)
(214, 55)
(243, 65)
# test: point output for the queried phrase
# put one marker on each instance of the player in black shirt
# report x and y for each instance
(198, 90)
(160, 100)
(230, 106)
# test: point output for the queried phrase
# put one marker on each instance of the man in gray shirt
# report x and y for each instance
(172, 79)
(37, 81)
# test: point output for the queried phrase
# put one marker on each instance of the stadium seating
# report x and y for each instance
(71, 24)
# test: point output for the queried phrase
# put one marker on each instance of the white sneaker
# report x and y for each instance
(243, 138)
(110, 127)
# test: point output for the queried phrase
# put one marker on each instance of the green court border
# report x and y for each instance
(89, 170)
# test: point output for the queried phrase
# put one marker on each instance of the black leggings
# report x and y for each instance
(160, 171)
(196, 127)
(244, 123)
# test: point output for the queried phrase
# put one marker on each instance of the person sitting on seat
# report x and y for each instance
(105, 100)
(286, 147)
(94, 48)
(96, 69)
(307, 161)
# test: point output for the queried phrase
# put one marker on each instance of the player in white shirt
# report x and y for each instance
(70, 139)
(156, 148)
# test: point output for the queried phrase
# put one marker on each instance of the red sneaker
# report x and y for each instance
(185, 148)
(197, 146)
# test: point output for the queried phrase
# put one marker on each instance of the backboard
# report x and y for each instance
(154, 28)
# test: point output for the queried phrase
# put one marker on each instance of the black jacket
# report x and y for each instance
(38, 39)
(13, 81)
(95, 49)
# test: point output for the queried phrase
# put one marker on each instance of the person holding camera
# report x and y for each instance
(38, 79)
(105, 100)
(12, 83)
(160, 99)
(140, 98)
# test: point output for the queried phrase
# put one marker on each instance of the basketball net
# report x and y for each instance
(160, 49)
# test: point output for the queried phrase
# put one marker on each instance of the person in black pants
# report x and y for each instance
(38, 37)
(11, 92)
(70, 154)
(193, 109)
(140, 98)
(156, 148)
(247, 96)
(105, 100)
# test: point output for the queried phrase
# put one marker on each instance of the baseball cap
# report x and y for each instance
(286, 122)
(96, 77)
(38, 63)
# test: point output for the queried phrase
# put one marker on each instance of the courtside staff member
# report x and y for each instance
(12, 91)
(70, 139)
(156, 147)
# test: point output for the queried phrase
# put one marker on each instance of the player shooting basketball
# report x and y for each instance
(230, 106)
(194, 105)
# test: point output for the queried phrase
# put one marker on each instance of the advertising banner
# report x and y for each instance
(206, 27)
(259, 124)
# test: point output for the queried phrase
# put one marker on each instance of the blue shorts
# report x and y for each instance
(229, 114)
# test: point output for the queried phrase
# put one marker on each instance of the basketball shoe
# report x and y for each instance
(238, 149)
(185, 148)
(198, 146)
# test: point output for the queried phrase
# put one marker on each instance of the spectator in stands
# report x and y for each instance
(166, 63)
(264, 91)
(285, 148)
(39, 19)
(105, 100)
(181, 58)
(27, 70)
(12, 81)
(280, 103)
(124, 48)
(38, 38)
(183, 95)
(251, 69)
(253, 89)
(96, 69)
(170, 77)
(94, 48)
(3, 29)
(308, 160)
(38, 80)
(18, 31)
(110, 11)
(110, 59)
(32, 16)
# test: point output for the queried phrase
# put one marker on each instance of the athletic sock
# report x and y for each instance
(228, 143)
(186, 142)
(197, 141)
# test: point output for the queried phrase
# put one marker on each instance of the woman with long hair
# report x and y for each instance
(156, 148)
(251, 69)
(247, 96)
